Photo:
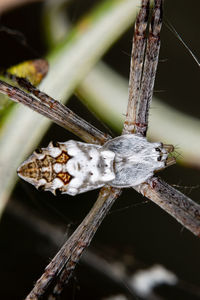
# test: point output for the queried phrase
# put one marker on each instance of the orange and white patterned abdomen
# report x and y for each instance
(70, 167)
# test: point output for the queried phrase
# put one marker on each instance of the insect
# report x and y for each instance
(126, 161)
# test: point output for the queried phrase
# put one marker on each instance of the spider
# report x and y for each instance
(109, 164)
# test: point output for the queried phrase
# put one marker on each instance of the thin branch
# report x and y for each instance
(68, 256)
(181, 207)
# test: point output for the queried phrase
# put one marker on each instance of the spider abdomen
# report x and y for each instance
(71, 167)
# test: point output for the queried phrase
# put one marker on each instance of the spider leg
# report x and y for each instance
(63, 264)
(136, 66)
(181, 207)
(149, 71)
(52, 109)
(140, 95)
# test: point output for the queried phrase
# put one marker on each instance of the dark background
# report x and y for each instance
(134, 229)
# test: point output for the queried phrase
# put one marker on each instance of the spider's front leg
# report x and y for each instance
(144, 60)
(146, 157)
(136, 66)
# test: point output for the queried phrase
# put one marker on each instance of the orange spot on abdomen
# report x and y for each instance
(65, 177)
(62, 158)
